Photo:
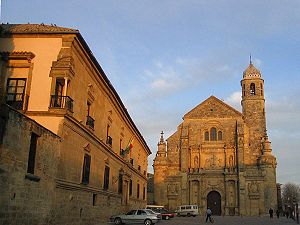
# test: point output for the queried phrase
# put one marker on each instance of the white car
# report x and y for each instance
(138, 216)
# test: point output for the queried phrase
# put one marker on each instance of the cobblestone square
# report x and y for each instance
(226, 220)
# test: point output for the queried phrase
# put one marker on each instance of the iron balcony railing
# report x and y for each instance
(63, 102)
(90, 122)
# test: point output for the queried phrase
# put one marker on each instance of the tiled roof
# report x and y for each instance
(251, 72)
(34, 29)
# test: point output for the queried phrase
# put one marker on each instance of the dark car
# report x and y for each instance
(165, 214)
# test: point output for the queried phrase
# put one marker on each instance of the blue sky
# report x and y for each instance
(164, 57)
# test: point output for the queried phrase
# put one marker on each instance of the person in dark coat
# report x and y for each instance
(277, 213)
(271, 213)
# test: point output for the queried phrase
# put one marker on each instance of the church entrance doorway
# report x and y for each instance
(214, 202)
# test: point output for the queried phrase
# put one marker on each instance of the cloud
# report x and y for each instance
(164, 79)
(234, 100)
(181, 74)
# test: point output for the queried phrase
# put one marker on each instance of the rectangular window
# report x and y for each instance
(107, 130)
(86, 169)
(59, 86)
(120, 188)
(139, 168)
(15, 92)
(89, 120)
(131, 161)
(108, 138)
(60, 99)
(144, 193)
(88, 108)
(121, 150)
(138, 191)
(32, 153)
(94, 199)
(130, 187)
(106, 178)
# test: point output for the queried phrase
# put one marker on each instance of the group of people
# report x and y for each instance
(210, 219)
(285, 213)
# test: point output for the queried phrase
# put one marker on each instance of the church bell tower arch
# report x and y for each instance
(253, 104)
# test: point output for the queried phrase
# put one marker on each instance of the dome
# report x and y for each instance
(251, 72)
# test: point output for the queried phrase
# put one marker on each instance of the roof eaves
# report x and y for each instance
(81, 39)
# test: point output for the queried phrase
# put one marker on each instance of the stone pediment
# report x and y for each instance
(212, 108)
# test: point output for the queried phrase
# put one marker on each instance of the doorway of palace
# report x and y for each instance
(214, 202)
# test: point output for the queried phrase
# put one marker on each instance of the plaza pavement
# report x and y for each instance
(230, 220)
(225, 220)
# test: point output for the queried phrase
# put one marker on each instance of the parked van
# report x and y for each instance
(187, 210)
(154, 207)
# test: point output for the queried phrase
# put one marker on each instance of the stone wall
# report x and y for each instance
(52, 195)
(26, 198)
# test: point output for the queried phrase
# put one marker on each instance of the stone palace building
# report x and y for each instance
(219, 157)
(63, 133)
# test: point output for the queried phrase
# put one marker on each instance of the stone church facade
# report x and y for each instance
(219, 157)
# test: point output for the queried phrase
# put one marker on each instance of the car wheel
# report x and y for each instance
(148, 222)
(188, 214)
(178, 214)
(118, 221)
(167, 217)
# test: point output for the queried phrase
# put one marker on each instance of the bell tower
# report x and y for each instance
(253, 105)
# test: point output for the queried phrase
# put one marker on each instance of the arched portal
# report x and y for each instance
(214, 202)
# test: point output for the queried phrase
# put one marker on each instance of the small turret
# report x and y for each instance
(267, 157)
(161, 151)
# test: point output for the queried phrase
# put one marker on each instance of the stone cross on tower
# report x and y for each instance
(162, 137)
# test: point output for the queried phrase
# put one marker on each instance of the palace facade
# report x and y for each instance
(63, 132)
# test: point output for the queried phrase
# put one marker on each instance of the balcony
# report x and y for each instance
(17, 101)
(109, 140)
(62, 102)
(90, 122)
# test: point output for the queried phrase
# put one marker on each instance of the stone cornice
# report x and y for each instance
(18, 55)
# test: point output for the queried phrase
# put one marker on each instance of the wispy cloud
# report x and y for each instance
(234, 100)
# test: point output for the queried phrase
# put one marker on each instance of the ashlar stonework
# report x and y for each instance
(219, 157)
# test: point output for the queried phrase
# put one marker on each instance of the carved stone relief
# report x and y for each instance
(173, 189)
(213, 162)
(253, 190)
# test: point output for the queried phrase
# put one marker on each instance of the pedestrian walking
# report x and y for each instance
(277, 213)
(208, 215)
(271, 213)
(287, 214)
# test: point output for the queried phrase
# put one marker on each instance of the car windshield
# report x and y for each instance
(156, 210)
(149, 211)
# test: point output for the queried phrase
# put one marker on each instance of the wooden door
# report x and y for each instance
(214, 202)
